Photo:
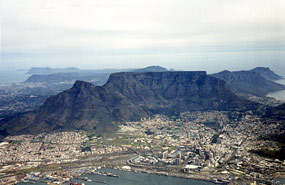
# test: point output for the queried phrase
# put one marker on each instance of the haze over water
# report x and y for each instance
(13, 76)
(280, 95)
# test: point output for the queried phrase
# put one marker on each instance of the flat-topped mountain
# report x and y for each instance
(126, 97)
(266, 72)
(248, 82)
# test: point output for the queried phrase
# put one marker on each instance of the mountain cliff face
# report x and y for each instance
(126, 97)
(248, 82)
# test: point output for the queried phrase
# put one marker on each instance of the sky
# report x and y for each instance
(211, 35)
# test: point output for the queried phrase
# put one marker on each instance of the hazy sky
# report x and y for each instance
(207, 35)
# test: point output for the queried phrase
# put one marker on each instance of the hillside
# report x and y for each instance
(276, 112)
(267, 73)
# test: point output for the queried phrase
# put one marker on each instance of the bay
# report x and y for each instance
(133, 178)
(279, 95)
(280, 81)
(13, 76)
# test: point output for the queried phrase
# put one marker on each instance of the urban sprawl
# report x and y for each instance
(214, 145)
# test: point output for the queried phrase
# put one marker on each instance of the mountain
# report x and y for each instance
(48, 70)
(150, 69)
(126, 97)
(267, 73)
(96, 78)
(248, 82)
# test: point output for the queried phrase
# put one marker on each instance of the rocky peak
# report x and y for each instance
(266, 72)
(81, 84)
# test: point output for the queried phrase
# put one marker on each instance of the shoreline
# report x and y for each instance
(200, 176)
(171, 174)
(277, 95)
(163, 173)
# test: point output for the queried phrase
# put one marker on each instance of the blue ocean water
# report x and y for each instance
(13, 76)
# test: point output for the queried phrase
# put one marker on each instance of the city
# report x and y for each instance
(207, 145)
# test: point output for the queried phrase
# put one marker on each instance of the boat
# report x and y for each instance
(75, 183)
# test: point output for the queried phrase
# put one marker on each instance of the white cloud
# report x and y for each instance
(52, 26)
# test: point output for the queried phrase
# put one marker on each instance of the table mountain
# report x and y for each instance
(126, 97)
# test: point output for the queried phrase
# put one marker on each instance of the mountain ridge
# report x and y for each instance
(248, 82)
(266, 72)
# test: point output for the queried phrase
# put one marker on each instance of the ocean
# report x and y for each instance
(13, 76)
(133, 178)
(279, 95)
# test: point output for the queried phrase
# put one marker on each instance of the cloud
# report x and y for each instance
(39, 30)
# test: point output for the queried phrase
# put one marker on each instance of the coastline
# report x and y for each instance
(146, 170)
(172, 174)
(278, 95)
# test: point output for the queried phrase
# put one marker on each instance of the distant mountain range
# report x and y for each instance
(256, 82)
(97, 77)
(126, 97)
(150, 69)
